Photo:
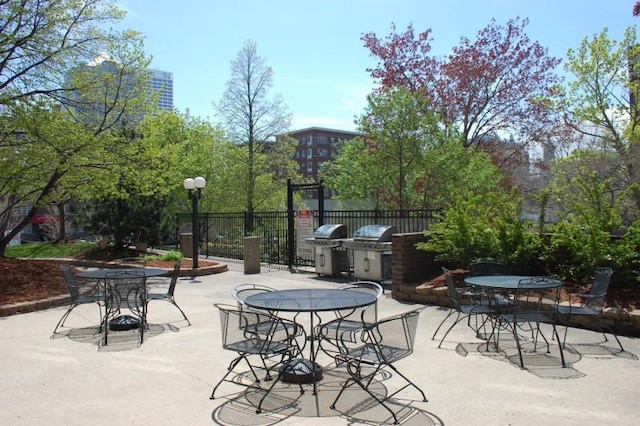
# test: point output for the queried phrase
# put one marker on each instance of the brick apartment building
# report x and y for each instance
(315, 146)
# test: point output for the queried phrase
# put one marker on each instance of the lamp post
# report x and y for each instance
(194, 187)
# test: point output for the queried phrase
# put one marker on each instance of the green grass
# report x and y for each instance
(48, 249)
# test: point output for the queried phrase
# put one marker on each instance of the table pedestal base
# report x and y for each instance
(124, 322)
(300, 370)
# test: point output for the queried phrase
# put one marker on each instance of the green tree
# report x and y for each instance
(399, 130)
(67, 85)
(41, 38)
(484, 225)
(602, 107)
(404, 161)
(252, 118)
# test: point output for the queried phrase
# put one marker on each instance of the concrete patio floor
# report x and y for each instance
(67, 379)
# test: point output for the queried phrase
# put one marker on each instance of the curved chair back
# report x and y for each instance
(453, 291)
(599, 289)
(242, 291)
(367, 314)
(174, 278)
(391, 338)
(71, 282)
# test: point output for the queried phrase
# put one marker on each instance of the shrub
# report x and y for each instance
(484, 226)
(174, 255)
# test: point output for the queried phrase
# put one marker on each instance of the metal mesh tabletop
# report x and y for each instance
(310, 300)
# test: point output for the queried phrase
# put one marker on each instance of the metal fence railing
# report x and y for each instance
(222, 234)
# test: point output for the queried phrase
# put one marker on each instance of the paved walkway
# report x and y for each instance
(68, 380)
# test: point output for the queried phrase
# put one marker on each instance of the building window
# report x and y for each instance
(309, 166)
(309, 152)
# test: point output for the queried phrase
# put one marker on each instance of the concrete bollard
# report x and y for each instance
(251, 255)
(186, 244)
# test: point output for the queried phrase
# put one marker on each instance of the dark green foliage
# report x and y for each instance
(135, 219)
(484, 226)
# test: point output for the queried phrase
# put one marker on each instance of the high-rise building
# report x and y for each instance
(162, 83)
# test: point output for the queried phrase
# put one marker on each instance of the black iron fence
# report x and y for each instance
(222, 234)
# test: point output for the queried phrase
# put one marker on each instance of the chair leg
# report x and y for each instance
(424, 398)
(356, 377)
(603, 325)
(64, 318)
(280, 372)
(354, 372)
(451, 311)
(603, 328)
(230, 368)
(458, 319)
(515, 336)
(555, 332)
(181, 311)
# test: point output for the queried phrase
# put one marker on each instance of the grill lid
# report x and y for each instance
(378, 233)
(331, 231)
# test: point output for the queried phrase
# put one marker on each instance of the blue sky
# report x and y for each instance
(315, 50)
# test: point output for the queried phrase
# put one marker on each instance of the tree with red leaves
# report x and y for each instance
(499, 84)
(636, 9)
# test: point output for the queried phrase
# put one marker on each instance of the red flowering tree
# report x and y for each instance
(500, 84)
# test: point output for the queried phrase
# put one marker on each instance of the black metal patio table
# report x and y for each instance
(514, 284)
(312, 300)
(121, 322)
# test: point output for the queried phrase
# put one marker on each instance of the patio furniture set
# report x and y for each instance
(269, 330)
(117, 290)
(517, 304)
(353, 338)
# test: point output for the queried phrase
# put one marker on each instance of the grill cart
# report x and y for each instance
(371, 246)
(330, 257)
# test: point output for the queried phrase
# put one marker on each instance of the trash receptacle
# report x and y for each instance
(186, 244)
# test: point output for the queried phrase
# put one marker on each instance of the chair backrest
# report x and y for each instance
(127, 287)
(536, 294)
(71, 282)
(451, 286)
(482, 267)
(366, 314)
(394, 337)
(599, 288)
(242, 291)
(174, 278)
(244, 330)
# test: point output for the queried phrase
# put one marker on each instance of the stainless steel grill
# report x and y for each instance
(330, 258)
(371, 246)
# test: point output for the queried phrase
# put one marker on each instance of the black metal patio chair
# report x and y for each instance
(169, 294)
(378, 346)
(249, 333)
(533, 304)
(462, 311)
(591, 306)
(77, 299)
(329, 333)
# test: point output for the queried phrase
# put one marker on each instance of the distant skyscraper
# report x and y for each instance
(162, 82)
